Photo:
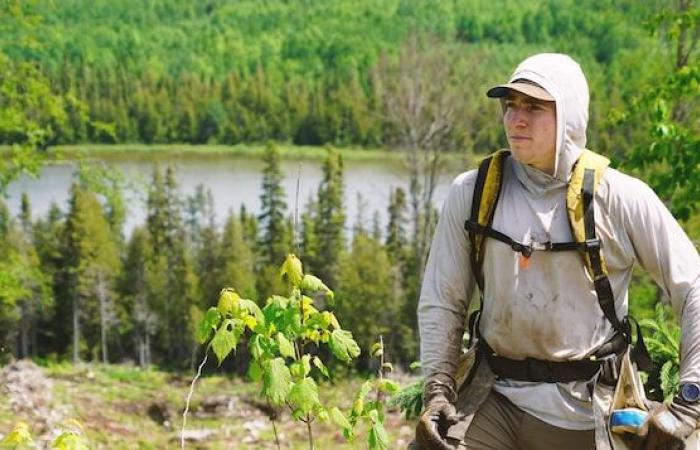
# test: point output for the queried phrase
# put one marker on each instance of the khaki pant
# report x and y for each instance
(500, 425)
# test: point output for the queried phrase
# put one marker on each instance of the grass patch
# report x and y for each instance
(153, 152)
(115, 405)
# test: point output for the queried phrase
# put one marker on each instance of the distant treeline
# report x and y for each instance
(73, 287)
(305, 72)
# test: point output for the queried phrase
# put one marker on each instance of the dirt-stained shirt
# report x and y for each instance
(548, 309)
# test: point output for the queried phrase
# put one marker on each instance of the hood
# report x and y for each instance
(563, 78)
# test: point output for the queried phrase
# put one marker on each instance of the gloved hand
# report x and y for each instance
(667, 426)
(439, 413)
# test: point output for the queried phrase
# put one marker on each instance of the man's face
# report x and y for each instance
(531, 127)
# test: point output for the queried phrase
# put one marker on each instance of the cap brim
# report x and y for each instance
(528, 89)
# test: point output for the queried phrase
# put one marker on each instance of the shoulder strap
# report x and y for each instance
(486, 192)
(576, 201)
(585, 177)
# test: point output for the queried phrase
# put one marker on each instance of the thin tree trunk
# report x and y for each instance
(24, 332)
(142, 352)
(101, 293)
(148, 349)
(76, 331)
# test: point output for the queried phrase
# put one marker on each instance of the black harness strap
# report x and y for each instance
(476, 204)
(552, 371)
(606, 298)
(525, 249)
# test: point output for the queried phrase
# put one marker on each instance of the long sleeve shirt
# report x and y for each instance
(549, 310)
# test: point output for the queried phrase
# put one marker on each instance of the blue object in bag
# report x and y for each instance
(627, 420)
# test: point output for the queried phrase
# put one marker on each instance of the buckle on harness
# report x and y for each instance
(525, 250)
(591, 245)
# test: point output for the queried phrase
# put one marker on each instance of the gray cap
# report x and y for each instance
(526, 87)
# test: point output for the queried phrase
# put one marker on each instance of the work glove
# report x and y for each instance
(439, 413)
(667, 426)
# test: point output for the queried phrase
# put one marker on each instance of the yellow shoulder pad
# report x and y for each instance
(574, 197)
(489, 195)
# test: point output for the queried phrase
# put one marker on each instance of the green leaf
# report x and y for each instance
(378, 438)
(277, 301)
(343, 345)
(339, 419)
(292, 270)
(208, 325)
(388, 386)
(286, 348)
(253, 309)
(365, 389)
(19, 437)
(69, 441)
(334, 321)
(358, 405)
(376, 350)
(304, 395)
(276, 381)
(225, 339)
(228, 302)
(255, 372)
(321, 367)
(388, 366)
(313, 284)
(322, 414)
(257, 346)
(301, 368)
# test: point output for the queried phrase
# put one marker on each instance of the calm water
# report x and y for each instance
(234, 181)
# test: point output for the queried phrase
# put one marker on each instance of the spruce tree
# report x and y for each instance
(134, 288)
(173, 283)
(275, 239)
(365, 290)
(49, 239)
(330, 219)
(237, 260)
(93, 263)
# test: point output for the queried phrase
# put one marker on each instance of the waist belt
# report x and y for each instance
(537, 370)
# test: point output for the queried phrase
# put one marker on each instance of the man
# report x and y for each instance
(541, 308)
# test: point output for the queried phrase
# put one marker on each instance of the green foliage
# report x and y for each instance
(71, 438)
(667, 107)
(664, 346)
(19, 438)
(370, 412)
(343, 346)
(279, 334)
(410, 399)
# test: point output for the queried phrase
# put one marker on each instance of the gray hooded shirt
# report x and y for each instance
(549, 310)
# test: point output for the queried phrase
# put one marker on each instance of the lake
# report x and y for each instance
(234, 181)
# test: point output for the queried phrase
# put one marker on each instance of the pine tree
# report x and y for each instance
(93, 263)
(173, 283)
(134, 288)
(330, 219)
(309, 238)
(237, 261)
(396, 236)
(49, 240)
(364, 290)
(275, 240)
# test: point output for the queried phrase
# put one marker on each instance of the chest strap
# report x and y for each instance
(525, 249)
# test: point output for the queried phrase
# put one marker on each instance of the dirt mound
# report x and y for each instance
(27, 388)
(29, 392)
